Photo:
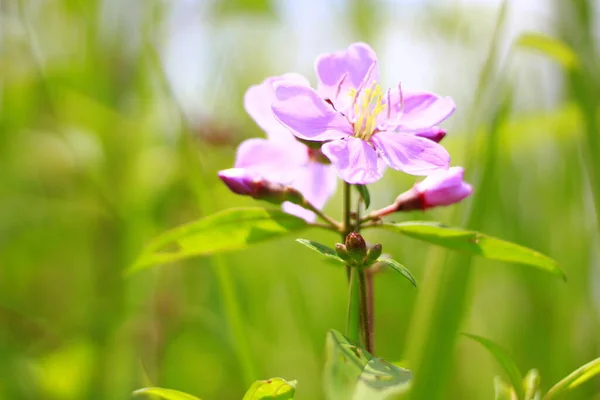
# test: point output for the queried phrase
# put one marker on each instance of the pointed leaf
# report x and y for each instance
(475, 243)
(320, 248)
(167, 394)
(353, 373)
(271, 389)
(503, 391)
(551, 47)
(232, 229)
(575, 379)
(363, 190)
(507, 363)
(396, 266)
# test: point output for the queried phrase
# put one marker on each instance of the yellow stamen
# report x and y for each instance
(367, 111)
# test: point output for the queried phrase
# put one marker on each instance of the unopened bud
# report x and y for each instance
(373, 253)
(443, 188)
(248, 183)
(342, 253)
(356, 247)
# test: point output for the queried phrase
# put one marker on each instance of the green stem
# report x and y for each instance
(353, 324)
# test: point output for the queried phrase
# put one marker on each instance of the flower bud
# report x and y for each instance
(435, 134)
(248, 183)
(356, 247)
(443, 188)
(342, 253)
(373, 254)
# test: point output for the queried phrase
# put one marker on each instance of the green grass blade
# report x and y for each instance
(574, 379)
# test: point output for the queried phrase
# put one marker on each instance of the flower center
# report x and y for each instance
(367, 105)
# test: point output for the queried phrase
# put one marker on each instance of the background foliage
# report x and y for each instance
(116, 115)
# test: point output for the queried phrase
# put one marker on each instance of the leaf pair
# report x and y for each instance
(239, 228)
(352, 373)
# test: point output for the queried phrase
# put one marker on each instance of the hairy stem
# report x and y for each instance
(365, 317)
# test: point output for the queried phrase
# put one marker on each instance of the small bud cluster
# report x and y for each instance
(356, 252)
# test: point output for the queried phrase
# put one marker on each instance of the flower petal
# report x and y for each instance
(344, 70)
(355, 160)
(317, 182)
(259, 99)
(424, 110)
(411, 154)
(276, 161)
(307, 115)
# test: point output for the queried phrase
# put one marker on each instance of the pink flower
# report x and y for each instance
(282, 158)
(443, 188)
(365, 129)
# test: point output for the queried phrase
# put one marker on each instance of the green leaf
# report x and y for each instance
(396, 266)
(232, 229)
(353, 373)
(274, 389)
(575, 379)
(167, 394)
(363, 190)
(320, 248)
(551, 47)
(503, 391)
(475, 243)
(507, 363)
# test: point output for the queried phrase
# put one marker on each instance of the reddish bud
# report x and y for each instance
(356, 246)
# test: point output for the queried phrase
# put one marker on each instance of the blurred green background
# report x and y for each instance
(116, 115)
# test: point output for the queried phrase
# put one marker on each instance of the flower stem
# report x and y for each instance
(365, 315)
(347, 207)
(332, 222)
(353, 325)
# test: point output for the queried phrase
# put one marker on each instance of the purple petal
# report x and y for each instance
(307, 115)
(411, 154)
(259, 99)
(355, 160)
(344, 70)
(424, 110)
(276, 161)
(317, 182)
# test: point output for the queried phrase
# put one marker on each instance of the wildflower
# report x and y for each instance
(282, 158)
(365, 129)
(443, 188)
